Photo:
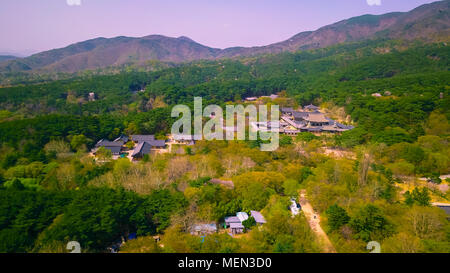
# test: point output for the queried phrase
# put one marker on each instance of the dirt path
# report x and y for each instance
(314, 223)
(339, 153)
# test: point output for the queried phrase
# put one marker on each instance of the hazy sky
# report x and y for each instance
(29, 26)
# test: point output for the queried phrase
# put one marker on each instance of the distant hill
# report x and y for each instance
(102, 52)
(7, 58)
(430, 23)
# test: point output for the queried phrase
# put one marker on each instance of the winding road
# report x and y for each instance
(314, 222)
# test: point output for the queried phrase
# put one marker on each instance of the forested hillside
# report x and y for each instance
(363, 183)
(415, 76)
(429, 23)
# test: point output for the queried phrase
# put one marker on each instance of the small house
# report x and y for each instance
(236, 228)
(150, 139)
(235, 222)
(231, 219)
(141, 149)
(259, 218)
(114, 147)
(242, 216)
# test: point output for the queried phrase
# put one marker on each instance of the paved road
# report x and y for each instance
(314, 223)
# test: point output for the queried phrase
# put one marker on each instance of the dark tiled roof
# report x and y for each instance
(300, 123)
(340, 125)
(141, 149)
(104, 143)
(317, 117)
(301, 115)
(142, 138)
(122, 138)
(157, 143)
(114, 149)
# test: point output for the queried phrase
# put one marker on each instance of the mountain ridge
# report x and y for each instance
(429, 22)
(7, 58)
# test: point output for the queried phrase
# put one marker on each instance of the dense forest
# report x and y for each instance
(53, 192)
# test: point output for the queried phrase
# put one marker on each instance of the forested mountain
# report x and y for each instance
(347, 75)
(429, 22)
(102, 52)
(7, 58)
(364, 184)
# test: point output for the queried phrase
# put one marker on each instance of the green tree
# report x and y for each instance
(131, 129)
(284, 244)
(291, 187)
(249, 223)
(391, 136)
(121, 166)
(409, 200)
(337, 217)
(370, 224)
(129, 145)
(351, 138)
(437, 124)
(306, 136)
(421, 197)
(285, 141)
(103, 153)
(79, 142)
